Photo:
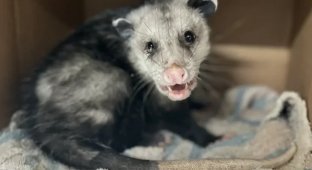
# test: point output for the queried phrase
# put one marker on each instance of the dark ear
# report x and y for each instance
(149, 1)
(206, 7)
(123, 27)
(153, 1)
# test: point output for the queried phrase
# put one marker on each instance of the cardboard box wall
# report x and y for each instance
(270, 39)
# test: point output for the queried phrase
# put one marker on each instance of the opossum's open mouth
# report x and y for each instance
(179, 92)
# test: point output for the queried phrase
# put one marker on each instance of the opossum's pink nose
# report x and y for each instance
(175, 75)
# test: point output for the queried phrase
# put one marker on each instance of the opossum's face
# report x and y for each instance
(168, 41)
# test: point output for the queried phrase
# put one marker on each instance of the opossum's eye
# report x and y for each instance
(189, 37)
(151, 47)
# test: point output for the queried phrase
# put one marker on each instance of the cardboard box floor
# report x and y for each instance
(271, 39)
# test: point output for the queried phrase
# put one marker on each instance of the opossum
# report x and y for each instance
(123, 74)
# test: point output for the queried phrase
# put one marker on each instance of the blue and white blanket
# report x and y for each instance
(250, 118)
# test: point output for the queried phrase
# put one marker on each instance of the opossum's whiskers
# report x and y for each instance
(138, 88)
(209, 88)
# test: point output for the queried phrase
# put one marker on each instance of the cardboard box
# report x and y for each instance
(269, 39)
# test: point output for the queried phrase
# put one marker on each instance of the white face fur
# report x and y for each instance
(168, 42)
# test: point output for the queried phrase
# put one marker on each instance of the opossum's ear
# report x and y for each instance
(206, 7)
(149, 1)
(123, 27)
(153, 1)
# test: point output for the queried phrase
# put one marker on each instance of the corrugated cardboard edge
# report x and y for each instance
(8, 59)
(300, 73)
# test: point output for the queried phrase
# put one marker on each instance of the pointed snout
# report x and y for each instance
(175, 75)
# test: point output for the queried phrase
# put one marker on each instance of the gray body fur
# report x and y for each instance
(98, 92)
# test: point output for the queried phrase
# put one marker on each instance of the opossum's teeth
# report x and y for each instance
(177, 87)
(178, 92)
(170, 89)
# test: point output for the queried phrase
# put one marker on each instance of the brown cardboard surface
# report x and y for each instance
(300, 73)
(302, 9)
(69, 12)
(8, 60)
(253, 22)
(257, 65)
(40, 25)
(93, 7)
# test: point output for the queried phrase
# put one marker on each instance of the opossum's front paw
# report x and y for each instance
(208, 139)
(203, 138)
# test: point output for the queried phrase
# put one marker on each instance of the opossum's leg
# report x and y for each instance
(85, 154)
(128, 132)
(83, 145)
(186, 127)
